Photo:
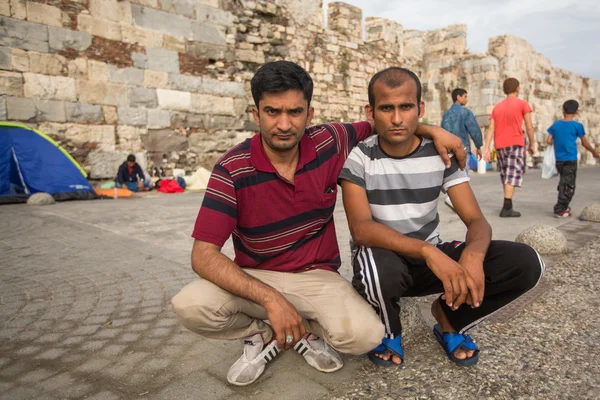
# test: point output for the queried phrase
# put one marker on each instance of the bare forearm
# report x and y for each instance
(375, 234)
(220, 270)
(588, 146)
(426, 130)
(479, 236)
(488, 140)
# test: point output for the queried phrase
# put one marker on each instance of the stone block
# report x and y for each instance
(47, 64)
(18, 9)
(20, 109)
(140, 60)
(158, 119)
(132, 116)
(209, 104)
(252, 56)
(102, 135)
(110, 114)
(163, 60)
(128, 76)
(20, 60)
(174, 100)
(105, 164)
(223, 88)
(210, 51)
(156, 79)
(165, 141)
(161, 21)
(185, 83)
(130, 138)
(96, 92)
(11, 83)
(23, 35)
(50, 110)
(142, 97)
(112, 10)
(98, 27)
(49, 87)
(78, 68)
(208, 33)
(3, 113)
(5, 8)
(215, 16)
(174, 43)
(80, 112)
(591, 213)
(43, 14)
(544, 238)
(61, 39)
(98, 71)
(143, 37)
(183, 7)
(5, 58)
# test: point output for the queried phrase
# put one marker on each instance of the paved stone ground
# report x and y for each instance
(85, 292)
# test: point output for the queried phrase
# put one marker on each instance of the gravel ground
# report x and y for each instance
(547, 351)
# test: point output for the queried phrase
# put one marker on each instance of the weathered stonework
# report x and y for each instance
(172, 77)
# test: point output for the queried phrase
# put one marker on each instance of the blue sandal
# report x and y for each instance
(451, 341)
(393, 346)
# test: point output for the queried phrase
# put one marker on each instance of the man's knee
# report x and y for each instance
(360, 336)
(197, 305)
(526, 262)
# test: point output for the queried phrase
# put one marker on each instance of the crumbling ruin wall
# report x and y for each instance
(171, 78)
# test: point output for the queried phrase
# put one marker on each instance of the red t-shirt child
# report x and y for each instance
(508, 122)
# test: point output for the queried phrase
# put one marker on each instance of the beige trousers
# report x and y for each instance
(330, 306)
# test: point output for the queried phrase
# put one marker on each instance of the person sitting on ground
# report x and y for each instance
(131, 176)
(275, 195)
(390, 185)
(564, 134)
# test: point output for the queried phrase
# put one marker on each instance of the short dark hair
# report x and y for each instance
(510, 85)
(458, 92)
(393, 77)
(131, 158)
(281, 76)
(570, 107)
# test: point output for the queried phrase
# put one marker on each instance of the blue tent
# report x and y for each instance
(31, 162)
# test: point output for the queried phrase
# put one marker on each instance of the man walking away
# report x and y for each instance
(460, 121)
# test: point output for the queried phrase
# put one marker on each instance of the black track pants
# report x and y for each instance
(382, 277)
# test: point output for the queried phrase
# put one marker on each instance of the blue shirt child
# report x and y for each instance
(565, 134)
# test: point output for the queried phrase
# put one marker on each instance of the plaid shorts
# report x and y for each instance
(511, 163)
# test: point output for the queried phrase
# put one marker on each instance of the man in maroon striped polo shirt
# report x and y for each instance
(275, 194)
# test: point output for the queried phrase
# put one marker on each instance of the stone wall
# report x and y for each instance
(170, 78)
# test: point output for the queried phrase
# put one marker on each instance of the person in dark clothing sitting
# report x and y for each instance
(132, 177)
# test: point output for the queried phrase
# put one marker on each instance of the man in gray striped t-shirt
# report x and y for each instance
(391, 183)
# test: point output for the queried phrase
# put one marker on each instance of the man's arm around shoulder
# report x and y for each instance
(214, 266)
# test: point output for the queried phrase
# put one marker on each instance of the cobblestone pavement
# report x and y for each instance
(85, 292)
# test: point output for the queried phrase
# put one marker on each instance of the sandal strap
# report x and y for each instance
(394, 345)
(454, 340)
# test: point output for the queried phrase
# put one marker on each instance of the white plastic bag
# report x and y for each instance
(549, 163)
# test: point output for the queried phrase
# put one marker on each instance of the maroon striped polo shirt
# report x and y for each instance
(277, 225)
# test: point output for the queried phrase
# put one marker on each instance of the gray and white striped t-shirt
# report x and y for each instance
(403, 191)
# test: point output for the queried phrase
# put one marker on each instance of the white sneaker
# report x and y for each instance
(318, 354)
(252, 363)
